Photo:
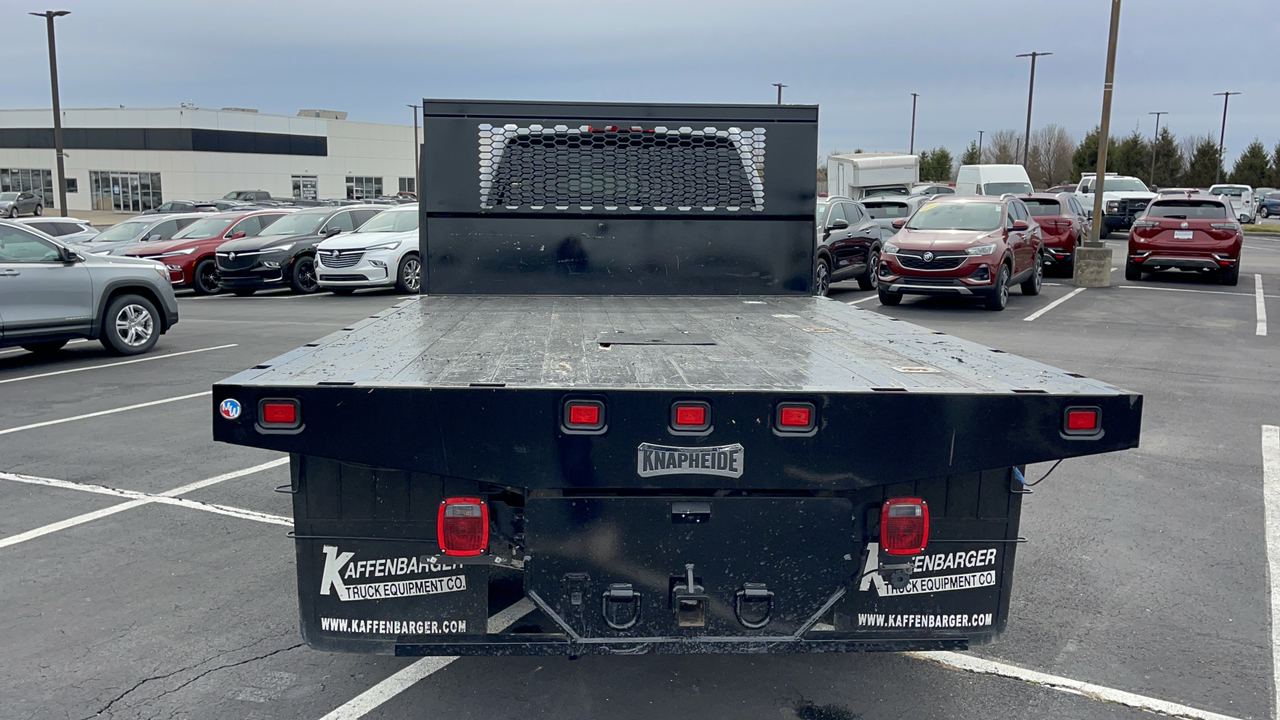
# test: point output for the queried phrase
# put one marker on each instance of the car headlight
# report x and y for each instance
(101, 252)
(1113, 206)
(392, 245)
(281, 248)
(981, 249)
(188, 251)
(161, 270)
(889, 248)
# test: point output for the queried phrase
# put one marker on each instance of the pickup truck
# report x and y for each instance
(619, 413)
(1124, 200)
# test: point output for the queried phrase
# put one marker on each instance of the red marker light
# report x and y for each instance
(279, 414)
(462, 526)
(583, 416)
(794, 417)
(1083, 421)
(904, 526)
(690, 416)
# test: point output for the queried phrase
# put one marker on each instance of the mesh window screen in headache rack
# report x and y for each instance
(562, 168)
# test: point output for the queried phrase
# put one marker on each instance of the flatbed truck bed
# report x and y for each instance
(743, 467)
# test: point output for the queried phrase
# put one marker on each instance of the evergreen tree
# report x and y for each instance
(1085, 158)
(1204, 165)
(971, 156)
(935, 165)
(1253, 166)
(1169, 163)
(1132, 156)
(1275, 167)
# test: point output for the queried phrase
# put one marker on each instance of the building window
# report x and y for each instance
(119, 191)
(408, 185)
(359, 188)
(304, 187)
(73, 185)
(39, 182)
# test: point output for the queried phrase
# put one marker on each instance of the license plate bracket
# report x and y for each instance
(1183, 234)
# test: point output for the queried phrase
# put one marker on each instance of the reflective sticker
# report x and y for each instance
(229, 408)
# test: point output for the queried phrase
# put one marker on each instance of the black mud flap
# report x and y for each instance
(368, 595)
(697, 571)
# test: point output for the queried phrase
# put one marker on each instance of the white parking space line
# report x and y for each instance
(369, 700)
(1271, 506)
(16, 350)
(168, 497)
(1053, 304)
(100, 413)
(968, 663)
(1188, 290)
(149, 358)
(862, 300)
(1261, 305)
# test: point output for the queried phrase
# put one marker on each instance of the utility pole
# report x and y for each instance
(417, 150)
(912, 151)
(1223, 137)
(1026, 137)
(49, 15)
(780, 86)
(1154, 139)
(1093, 260)
(980, 146)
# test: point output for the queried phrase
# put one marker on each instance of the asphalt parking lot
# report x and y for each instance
(145, 572)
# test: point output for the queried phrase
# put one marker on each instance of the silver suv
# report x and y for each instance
(50, 293)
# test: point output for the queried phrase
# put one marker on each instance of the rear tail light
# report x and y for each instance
(690, 416)
(583, 416)
(1225, 226)
(1139, 224)
(279, 414)
(796, 418)
(904, 526)
(462, 526)
(1083, 421)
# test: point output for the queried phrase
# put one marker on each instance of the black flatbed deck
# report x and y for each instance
(770, 343)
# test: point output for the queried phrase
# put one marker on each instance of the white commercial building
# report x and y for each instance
(129, 160)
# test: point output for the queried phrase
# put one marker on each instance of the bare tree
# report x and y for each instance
(1049, 161)
(1001, 148)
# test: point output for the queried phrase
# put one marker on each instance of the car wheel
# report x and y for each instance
(999, 297)
(341, 290)
(889, 298)
(1031, 286)
(409, 277)
(1231, 276)
(44, 348)
(206, 280)
(870, 279)
(1132, 272)
(243, 293)
(1104, 233)
(39, 210)
(822, 278)
(1264, 212)
(13, 212)
(130, 326)
(303, 279)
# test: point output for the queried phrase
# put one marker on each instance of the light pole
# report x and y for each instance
(49, 15)
(980, 146)
(1093, 260)
(1026, 138)
(417, 150)
(1154, 139)
(780, 86)
(1223, 137)
(912, 151)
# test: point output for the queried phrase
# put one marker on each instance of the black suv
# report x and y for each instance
(848, 244)
(285, 252)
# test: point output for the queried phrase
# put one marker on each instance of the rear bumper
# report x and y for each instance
(1156, 261)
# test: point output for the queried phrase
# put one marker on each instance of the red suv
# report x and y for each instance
(1064, 226)
(1196, 233)
(963, 246)
(189, 254)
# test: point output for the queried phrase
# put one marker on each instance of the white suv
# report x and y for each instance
(381, 253)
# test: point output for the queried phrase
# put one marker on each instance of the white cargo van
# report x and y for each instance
(992, 180)
(1241, 197)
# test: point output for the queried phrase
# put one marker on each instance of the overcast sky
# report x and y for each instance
(858, 60)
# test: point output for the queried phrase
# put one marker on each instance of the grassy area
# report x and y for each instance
(1269, 229)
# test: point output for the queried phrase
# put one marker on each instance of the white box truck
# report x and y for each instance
(860, 175)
